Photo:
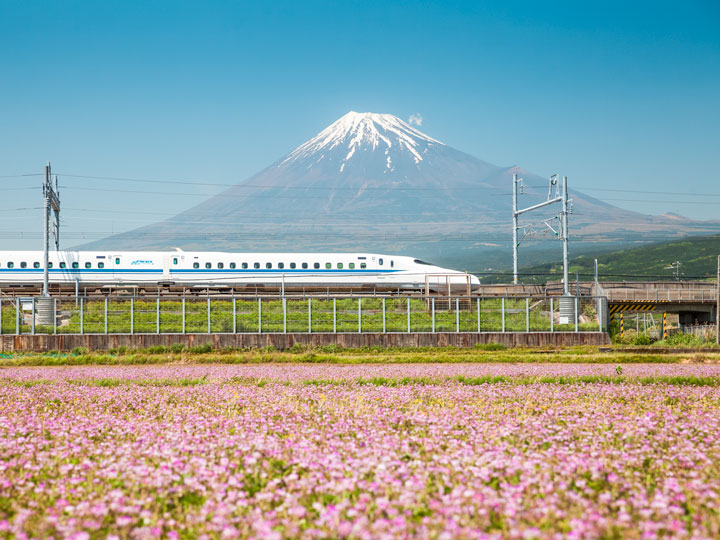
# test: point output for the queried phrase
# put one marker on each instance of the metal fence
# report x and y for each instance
(706, 332)
(300, 314)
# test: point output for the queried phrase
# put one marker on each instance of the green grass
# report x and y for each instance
(142, 316)
(522, 380)
(690, 380)
(486, 353)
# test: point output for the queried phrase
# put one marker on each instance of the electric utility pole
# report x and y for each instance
(52, 202)
(675, 266)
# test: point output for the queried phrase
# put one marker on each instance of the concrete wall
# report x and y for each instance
(101, 342)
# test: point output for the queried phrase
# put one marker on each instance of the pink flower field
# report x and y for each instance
(286, 451)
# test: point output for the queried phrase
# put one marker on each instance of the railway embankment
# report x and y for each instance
(105, 342)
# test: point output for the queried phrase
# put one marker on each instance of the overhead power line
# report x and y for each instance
(242, 184)
(170, 193)
(265, 186)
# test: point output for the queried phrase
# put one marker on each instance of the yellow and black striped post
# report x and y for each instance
(665, 328)
(622, 325)
(631, 306)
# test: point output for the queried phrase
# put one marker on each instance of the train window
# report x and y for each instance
(88, 265)
(351, 266)
(221, 266)
(117, 260)
(63, 265)
(36, 265)
(50, 265)
(268, 265)
(304, 265)
(196, 265)
(363, 265)
(392, 264)
(11, 264)
(340, 265)
(316, 265)
(328, 265)
(76, 265)
(233, 265)
(175, 260)
(101, 265)
(208, 265)
(418, 261)
(23, 265)
(244, 265)
(293, 265)
(256, 265)
(380, 261)
(281, 265)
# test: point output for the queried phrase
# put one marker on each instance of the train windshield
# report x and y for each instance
(418, 261)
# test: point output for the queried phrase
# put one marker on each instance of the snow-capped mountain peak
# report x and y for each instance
(370, 132)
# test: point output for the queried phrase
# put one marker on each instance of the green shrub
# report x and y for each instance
(490, 346)
(642, 339)
(200, 349)
(688, 340)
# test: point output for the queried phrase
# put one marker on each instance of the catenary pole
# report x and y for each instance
(517, 212)
(515, 230)
(566, 287)
(47, 190)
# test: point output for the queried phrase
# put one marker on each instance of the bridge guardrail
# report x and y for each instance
(667, 295)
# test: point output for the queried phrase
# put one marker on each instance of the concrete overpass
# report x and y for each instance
(693, 301)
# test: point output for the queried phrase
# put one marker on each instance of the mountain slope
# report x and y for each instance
(698, 257)
(373, 182)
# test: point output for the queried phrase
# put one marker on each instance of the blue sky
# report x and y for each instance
(616, 95)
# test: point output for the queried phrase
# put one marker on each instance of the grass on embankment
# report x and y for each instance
(490, 353)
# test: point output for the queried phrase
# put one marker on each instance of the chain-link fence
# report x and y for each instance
(142, 315)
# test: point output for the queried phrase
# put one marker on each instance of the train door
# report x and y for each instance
(166, 267)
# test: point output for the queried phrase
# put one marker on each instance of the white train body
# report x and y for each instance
(227, 269)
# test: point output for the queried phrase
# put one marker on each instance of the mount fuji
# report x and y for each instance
(372, 182)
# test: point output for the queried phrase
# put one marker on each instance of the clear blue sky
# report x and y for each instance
(618, 95)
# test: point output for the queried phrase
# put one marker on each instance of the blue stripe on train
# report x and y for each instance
(196, 271)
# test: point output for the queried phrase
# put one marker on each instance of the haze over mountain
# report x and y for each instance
(372, 182)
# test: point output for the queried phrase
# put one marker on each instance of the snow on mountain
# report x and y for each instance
(364, 132)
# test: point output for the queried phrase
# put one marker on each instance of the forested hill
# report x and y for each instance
(698, 257)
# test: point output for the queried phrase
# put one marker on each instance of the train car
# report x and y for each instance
(205, 269)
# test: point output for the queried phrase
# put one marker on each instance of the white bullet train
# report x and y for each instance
(228, 269)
